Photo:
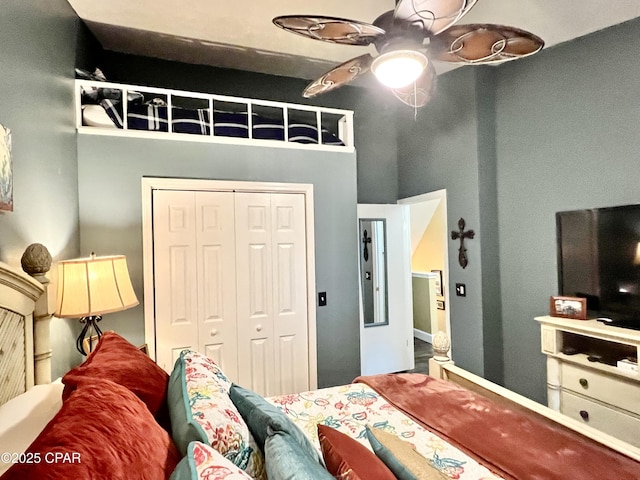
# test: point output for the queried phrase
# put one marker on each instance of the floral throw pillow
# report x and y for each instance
(204, 463)
(201, 410)
(199, 366)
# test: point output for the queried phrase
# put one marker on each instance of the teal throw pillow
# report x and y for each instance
(285, 459)
(260, 414)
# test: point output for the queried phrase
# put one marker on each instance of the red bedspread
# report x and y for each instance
(512, 443)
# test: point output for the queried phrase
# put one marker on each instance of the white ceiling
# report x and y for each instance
(239, 34)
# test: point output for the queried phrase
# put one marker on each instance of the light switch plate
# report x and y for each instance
(322, 299)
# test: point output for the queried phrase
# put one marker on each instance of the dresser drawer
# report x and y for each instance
(618, 424)
(614, 390)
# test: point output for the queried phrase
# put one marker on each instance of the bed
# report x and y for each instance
(109, 108)
(118, 415)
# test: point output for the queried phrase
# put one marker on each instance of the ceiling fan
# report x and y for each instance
(406, 39)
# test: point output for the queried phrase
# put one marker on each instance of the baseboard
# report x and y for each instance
(424, 336)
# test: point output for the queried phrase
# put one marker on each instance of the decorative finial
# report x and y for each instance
(36, 259)
(441, 346)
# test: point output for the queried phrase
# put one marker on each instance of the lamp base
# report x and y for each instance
(90, 326)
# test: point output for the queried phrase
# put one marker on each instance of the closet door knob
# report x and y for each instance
(584, 383)
(259, 328)
(584, 414)
(214, 332)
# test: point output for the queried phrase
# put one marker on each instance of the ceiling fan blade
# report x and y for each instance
(425, 87)
(338, 76)
(330, 29)
(432, 16)
(483, 44)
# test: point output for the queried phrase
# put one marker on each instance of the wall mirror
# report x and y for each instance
(373, 271)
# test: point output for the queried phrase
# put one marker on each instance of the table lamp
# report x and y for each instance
(90, 287)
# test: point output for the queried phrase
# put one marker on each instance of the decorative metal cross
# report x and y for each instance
(461, 234)
(365, 240)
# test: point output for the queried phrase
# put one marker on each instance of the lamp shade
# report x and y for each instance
(93, 286)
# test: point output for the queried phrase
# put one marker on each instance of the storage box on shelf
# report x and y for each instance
(584, 379)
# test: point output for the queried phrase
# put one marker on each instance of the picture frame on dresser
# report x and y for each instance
(568, 307)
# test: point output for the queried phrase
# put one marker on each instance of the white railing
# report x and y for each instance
(337, 121)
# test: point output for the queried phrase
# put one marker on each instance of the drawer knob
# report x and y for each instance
(259, 328)
(584, 415)
(213, 332)
(584, 383)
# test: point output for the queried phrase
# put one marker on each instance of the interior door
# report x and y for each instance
(229, 271)
(255, 310)
(175, 261)
(386, 342)
(273, 348)
(194, 277)
(291, 327)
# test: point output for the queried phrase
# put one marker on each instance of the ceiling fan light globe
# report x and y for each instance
(399, 68)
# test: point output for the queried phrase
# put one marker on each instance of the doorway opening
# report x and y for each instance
(429, 263)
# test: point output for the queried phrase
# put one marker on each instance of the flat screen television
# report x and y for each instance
(599, 259)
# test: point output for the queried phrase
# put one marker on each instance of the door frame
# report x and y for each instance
(149, 184)
(440, 195)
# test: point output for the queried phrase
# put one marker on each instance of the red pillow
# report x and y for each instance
(115, 359)
(102, 431)
(348, 459)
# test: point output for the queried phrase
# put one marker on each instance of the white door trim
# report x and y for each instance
(440, 195)
(149, 184)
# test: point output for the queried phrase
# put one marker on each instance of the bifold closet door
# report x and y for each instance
(194, 276)
(272, 299)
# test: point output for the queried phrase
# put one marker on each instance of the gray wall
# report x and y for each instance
(488, 227)
(513, 145)
(110, 171)
(37, 56)
(567, 137)
(109, 182)
(440, 150)
(41, 42)
(375, 109)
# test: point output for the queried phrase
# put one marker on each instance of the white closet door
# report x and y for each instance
(255, 292)
(230, 280)
(272, 300)
(176, 295)
(290, 293)
(194, 258)
(215, 264)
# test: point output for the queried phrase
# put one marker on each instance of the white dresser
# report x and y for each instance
(584, 380)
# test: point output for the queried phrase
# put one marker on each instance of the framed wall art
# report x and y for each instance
(6, 171)
(439, 286)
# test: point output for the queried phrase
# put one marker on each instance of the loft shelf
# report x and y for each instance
(336, 122)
